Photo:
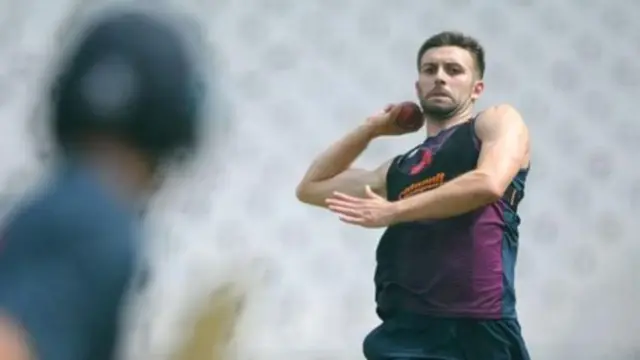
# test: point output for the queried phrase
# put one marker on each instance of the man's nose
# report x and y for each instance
(440, 78)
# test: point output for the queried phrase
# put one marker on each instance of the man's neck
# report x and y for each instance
(434, 127)
(121, 171)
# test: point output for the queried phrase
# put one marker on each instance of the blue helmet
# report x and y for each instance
(134, 77)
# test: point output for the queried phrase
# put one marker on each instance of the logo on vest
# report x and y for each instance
(424, 185)
(425, 161)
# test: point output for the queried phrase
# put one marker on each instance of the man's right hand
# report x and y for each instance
(384, 124)
(332, 171)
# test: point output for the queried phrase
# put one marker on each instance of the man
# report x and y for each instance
(445, 265)
(125, 102)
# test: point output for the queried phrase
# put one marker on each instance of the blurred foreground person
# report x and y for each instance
(125, 101)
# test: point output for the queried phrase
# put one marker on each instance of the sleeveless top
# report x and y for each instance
(457, 267)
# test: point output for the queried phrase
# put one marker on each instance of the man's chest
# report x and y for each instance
(432, 164)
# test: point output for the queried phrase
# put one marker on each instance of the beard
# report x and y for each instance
(439, 112)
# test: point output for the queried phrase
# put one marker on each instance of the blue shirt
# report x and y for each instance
(67, 255)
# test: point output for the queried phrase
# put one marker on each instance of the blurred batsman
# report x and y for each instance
(446, 262)
(126, 101)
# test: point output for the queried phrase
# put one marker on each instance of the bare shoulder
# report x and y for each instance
(502, 130)
(499, 114)
(499, 118)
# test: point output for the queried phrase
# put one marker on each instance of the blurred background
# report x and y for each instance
(291, 77)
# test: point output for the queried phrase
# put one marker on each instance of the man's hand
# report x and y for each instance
(384, 123)
(372, 211)
(332, 170)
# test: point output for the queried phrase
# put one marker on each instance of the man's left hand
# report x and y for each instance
(371, 211)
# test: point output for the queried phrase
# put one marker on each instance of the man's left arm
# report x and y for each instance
(504, 149)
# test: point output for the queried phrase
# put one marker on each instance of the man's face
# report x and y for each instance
(448, 81)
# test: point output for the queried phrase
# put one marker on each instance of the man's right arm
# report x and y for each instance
(332, 171)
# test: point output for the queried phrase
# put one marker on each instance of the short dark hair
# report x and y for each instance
(458, 39)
